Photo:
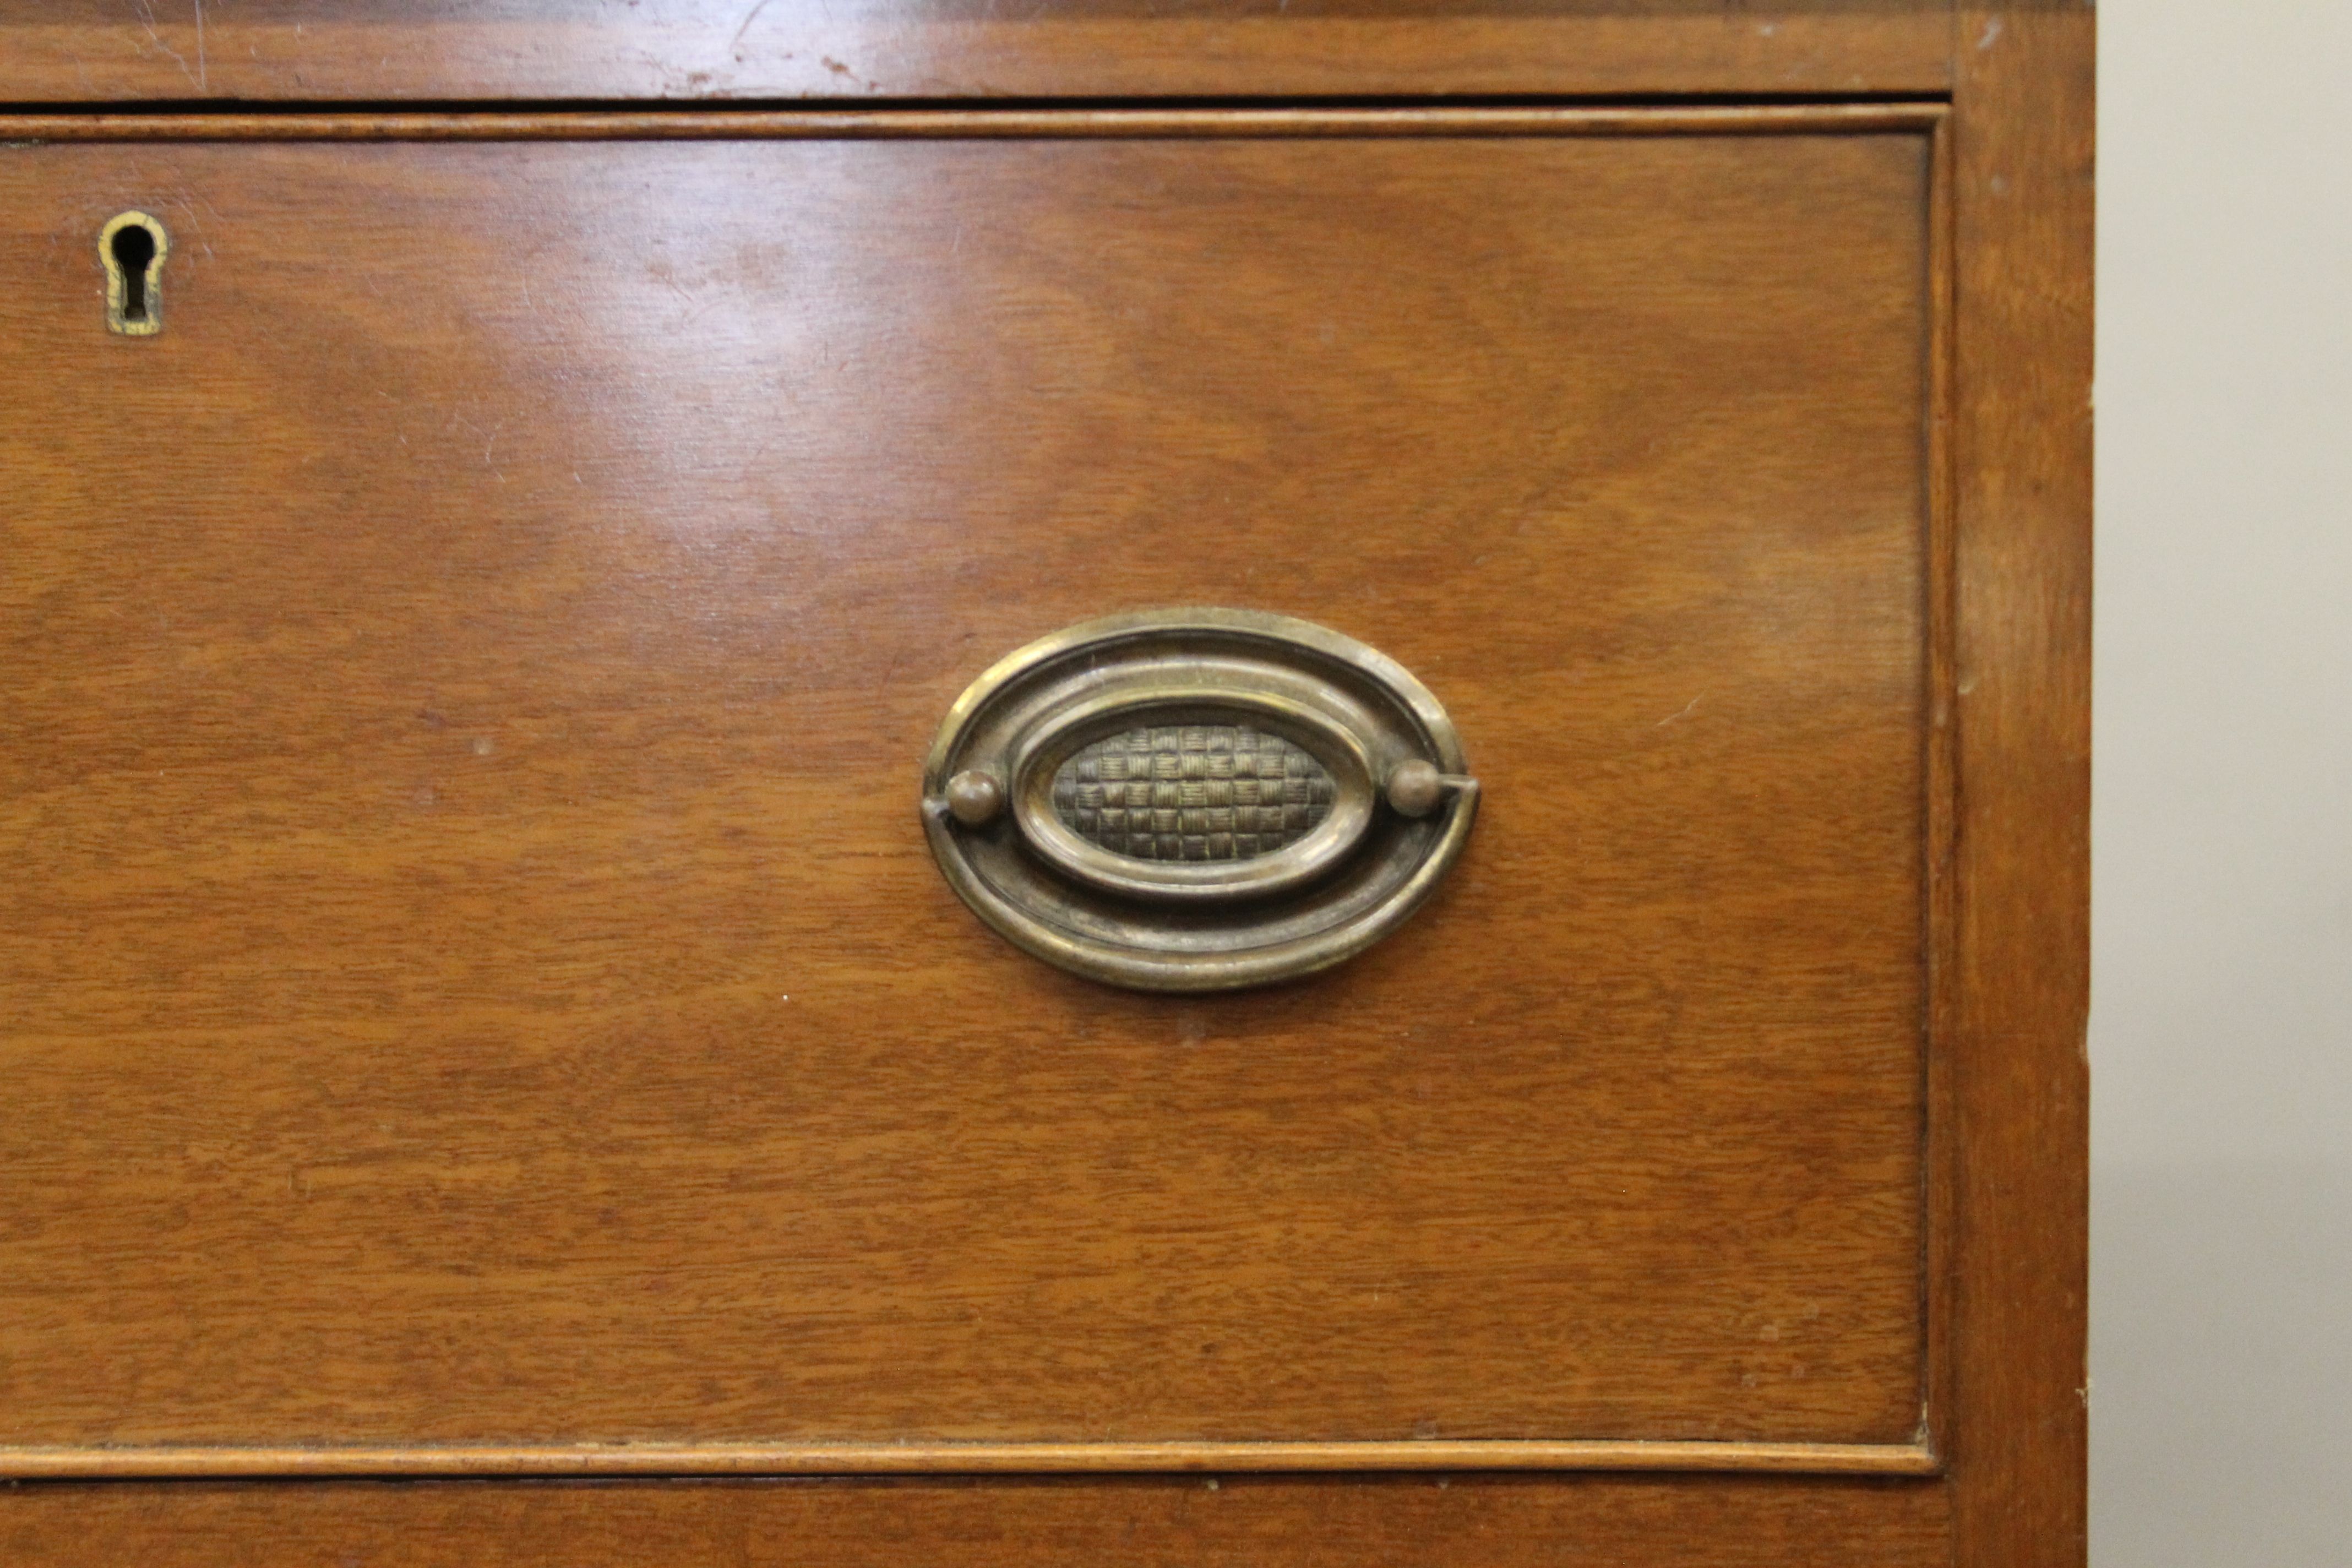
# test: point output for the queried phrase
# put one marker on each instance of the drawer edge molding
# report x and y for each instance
(98, 1463)
(661, 125)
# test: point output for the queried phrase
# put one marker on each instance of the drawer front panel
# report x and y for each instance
(1588, 1521)
(473, 972)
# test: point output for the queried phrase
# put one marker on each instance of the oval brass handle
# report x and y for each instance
(1196, 799)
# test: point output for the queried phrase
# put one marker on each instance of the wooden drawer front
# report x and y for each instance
(474, 980)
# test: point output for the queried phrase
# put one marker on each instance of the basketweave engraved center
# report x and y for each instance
(1193, 791)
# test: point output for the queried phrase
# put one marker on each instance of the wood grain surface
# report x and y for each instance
(472, 971)
(363, 51)
(1568, 1521)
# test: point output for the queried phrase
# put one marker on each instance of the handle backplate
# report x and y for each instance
(1196, 799)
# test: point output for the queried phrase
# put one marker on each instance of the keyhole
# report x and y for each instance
(132, 247)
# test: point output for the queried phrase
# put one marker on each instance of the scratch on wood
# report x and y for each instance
(749, 17)
(146, 11)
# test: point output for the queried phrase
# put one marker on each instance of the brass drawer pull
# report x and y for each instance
(1196, 799)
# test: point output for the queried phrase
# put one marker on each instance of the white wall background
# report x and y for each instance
(2221, 989)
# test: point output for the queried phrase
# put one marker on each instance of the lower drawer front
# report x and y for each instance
(475, 978)
(1580, 1521)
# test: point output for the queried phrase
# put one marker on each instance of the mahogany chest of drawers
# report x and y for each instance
(1084, 783)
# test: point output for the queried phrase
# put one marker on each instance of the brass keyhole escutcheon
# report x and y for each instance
(132, 247)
